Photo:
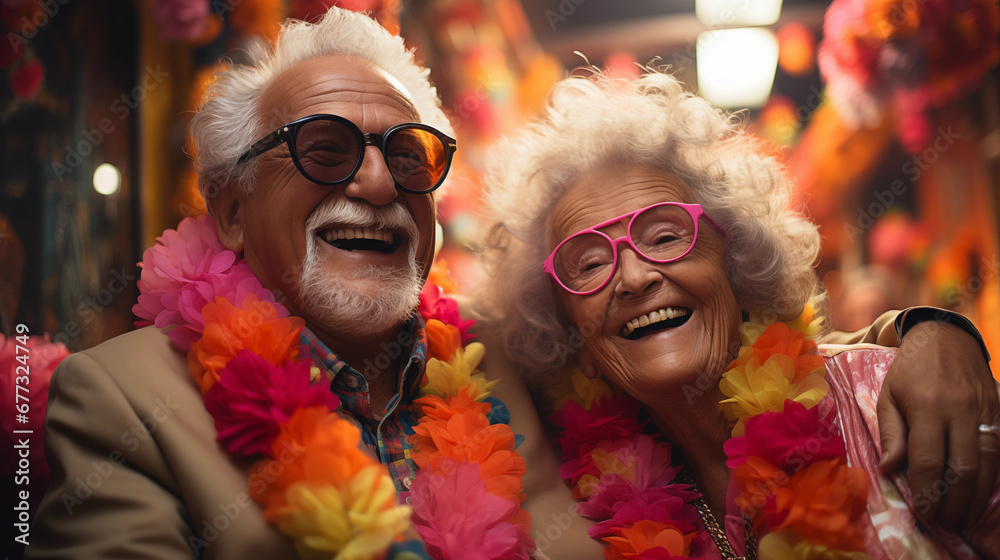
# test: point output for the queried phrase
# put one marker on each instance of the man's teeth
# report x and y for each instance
(654, 317)
(357, 233)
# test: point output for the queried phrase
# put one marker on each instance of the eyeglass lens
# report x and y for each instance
(328, 151)
(660, 234)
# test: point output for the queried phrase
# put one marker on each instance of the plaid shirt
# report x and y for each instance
(385, 438)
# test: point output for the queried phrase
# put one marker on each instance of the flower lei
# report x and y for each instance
(312, 479)
(787, 456)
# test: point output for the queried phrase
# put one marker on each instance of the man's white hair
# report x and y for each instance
(227, 121)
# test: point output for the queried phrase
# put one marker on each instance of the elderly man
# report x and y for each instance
(306, 158)
(343, 233)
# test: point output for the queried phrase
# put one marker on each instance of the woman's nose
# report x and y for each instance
(636, 275)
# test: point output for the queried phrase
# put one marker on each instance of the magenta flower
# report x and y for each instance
(620, 505)
(186, 269)
(459, 520)
(254, 397)
(608, 419)
(435, 305)
(789, 440)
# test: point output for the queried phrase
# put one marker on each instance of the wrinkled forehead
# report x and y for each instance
(348, 86)
(611, 192)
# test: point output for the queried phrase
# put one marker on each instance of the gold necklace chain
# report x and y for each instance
(715, 531)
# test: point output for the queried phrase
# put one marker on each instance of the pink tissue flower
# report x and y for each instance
(180, 20)
(608, 419)
(622, 503)
(185, 270)
(254, 397)
(788, 440)
(435, 305)
(459, 520)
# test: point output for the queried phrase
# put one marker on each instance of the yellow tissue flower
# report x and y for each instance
(574, 386)
(751, 330)
(356, 522)
(807, 322)
(754, 388)
(448, 378)
(774, 546)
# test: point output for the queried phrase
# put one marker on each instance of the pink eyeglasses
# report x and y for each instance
(665, 232)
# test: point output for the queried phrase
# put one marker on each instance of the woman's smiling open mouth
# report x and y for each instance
(654, 321)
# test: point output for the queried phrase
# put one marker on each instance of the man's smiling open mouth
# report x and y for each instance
(361, 239)
(655, 321)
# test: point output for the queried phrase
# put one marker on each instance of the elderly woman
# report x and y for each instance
(636, 232)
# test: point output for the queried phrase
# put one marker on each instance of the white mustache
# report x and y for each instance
(351, 213)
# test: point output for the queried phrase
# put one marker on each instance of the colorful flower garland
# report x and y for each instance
(334, 500)
(787, 456)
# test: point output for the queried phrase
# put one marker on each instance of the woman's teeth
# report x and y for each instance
(332, 235)
(654, 317)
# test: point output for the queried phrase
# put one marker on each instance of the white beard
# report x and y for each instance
(329, 297)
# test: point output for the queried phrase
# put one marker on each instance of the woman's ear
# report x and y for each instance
(225, 203)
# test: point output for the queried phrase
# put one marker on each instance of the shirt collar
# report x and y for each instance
(412, 340)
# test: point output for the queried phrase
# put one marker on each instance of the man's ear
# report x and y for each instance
(225, 203)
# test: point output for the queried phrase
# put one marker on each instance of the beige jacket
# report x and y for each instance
(137, 473)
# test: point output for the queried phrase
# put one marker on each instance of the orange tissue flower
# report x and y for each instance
(468, 437)
(437, 408)
(442, 340)
(891, 19)
(777, 338)
(442, 277)
(758, 481)
(823, 503)
(315, 447)
(631, 540)
(254, 326)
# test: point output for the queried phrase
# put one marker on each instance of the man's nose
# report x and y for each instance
(373, 182)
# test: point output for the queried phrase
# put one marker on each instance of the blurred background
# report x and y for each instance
(886, 113)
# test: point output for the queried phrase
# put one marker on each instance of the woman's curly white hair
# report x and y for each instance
(594, 121)
(228, 122)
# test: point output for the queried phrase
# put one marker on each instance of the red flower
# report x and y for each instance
(608, 419)
(788, 440)
(435, 305)
(253, 397)
(26, 80)
(624, 504)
